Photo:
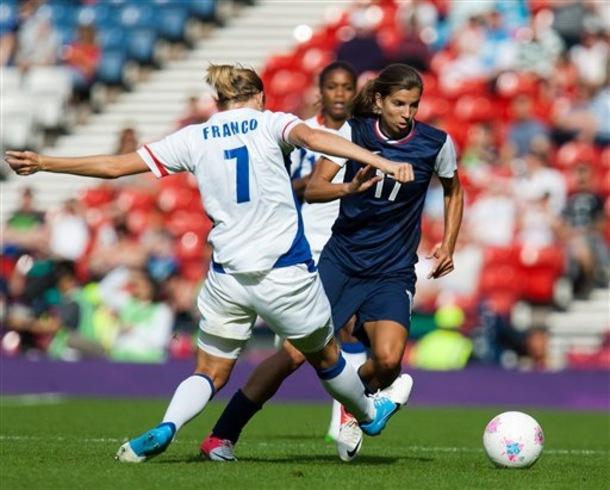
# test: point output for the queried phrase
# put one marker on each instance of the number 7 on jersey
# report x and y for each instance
(242, 173)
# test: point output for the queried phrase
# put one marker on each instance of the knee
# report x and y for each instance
(292, 359)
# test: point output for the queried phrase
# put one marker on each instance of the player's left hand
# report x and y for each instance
(24, 162)
(443, 261)
(364, 179)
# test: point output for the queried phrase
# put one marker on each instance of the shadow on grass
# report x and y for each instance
(313, 459)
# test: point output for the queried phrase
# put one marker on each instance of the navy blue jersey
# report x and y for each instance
(378, 230)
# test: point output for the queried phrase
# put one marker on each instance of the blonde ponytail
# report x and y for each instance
(233, 83)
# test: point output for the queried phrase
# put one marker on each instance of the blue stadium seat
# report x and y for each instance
(141, 43)
(111, 37)
(203, 9)
(134, 15)
(171, 21)
(110, 69)
(98, 14)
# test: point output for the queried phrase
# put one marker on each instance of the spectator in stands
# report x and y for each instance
(144, 322)
(537, 224)
(82, 57)
(467, 64)
(539, 46)
(363, 51)
(498, 47)
(193, 114)
(586, 117)
(412, 50)
(32, 294)
(572, 17)
(536, 350)
(537, 178)
(480, 155)
(68, 231)
(75, 336)
(524, 128)
(24, 229)
(26, 216)
(127, 142)
(123, 251)
(491, 218)
(583, 224)
(38, 42)
(591, 56)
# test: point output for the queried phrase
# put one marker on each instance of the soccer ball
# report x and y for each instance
(513, 440)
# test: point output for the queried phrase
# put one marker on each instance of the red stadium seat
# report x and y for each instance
(190, 246)
(511, 84)
(573, 152)
(98, 196)
(475, 108)
(286, 82)
(182, 221)
(172, 199)
(542, 267)
(130, 199)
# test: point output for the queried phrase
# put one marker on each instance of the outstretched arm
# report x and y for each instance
(321, 188)
(332, 144)
(442, 253)
(101, 166)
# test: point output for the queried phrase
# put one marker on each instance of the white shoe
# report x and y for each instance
(400, 390)
(349, 441)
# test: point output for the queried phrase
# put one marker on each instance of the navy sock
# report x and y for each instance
(235, 417)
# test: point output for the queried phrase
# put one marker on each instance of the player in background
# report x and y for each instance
(337, 83)
(368, 265)
(261, 261)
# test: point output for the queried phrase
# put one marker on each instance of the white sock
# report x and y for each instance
(190, 398)
(344, 385)
(356, 359)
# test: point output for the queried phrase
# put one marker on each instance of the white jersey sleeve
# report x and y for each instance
(446, 160)
(171, 154)
(346, 132)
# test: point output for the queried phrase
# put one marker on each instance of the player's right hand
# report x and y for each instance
(402, 172)
(24, 162)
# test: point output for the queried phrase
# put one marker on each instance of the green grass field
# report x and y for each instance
(68, 444)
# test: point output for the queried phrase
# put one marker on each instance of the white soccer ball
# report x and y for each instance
(513, 440)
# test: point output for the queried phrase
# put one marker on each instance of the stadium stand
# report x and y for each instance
(466, 93)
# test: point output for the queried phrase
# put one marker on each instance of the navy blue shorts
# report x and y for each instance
(387, 298)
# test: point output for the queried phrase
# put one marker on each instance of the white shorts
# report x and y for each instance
(291, 300)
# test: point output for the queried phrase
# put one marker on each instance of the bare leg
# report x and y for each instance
(388, 343)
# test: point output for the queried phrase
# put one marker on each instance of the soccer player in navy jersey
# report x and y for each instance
(368, 265)
(261, 262)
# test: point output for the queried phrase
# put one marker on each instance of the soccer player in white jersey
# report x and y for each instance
(261, 261)
(337, 84)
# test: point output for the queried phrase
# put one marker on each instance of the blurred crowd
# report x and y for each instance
(523, 89)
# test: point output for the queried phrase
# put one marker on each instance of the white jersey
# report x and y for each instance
(239, 158)
(318, 217)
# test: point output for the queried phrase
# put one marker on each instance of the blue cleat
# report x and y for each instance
(385, 409)
(150, 444)
(387, 402)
